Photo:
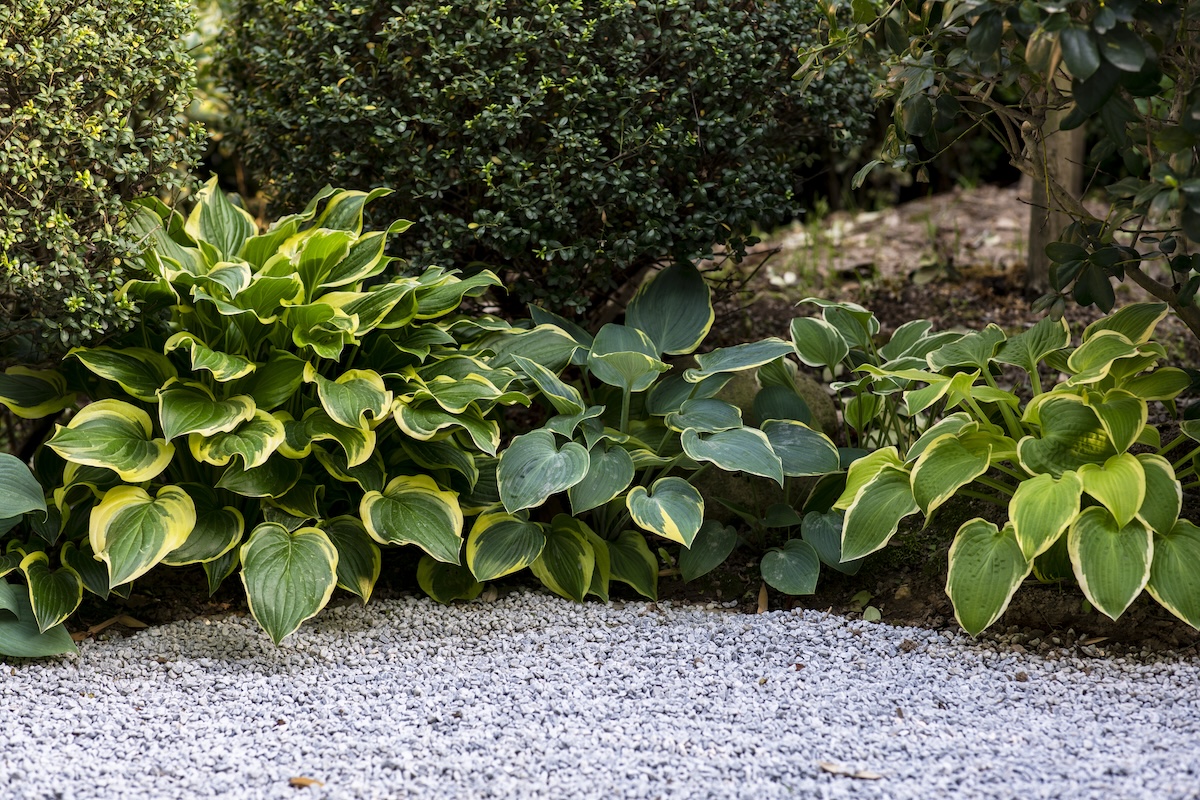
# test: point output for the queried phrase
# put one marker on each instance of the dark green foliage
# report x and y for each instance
(91, 97)
(564, 144)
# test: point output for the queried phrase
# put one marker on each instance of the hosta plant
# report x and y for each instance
(1084, 479)
(289, 409)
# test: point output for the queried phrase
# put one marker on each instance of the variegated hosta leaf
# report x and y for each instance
(268, 295)
(1042, 508)
(737, 358)
(93, 572)
(1028, 348)
(674, 308)
(223, 366)
(792, 569)
(140, 372)
(863, 471)
(501, 544)
(187, 407)
(1174, 577)
(53, 594)
(254, 440)
(534, 467)
(1071, 436)
(1111, 562)
(602, 571)
(288, 576)
(33, 394)
(1119, 485)
(369, 475)
(817, 343)
(986, 567)
(299, 435)
(625, 357)
(456, 395)
(564, 397)
(218, 530)
(114, 435)
(632, 563)
(344, 210)
(1135, 321)
(353, 397)
(439, 297)
(711, 546)
(427, 420)
(705, 415)
(359, 558)
(1121, 414)
(273, 383)
(610, 471)
(669, 393)
(973, 350)
(217, 221)
(1164, 495)
(567, 561)
(1091, 361)
(443, 454)
(672, 508)
(21, 492)
(325, 329)
(131, 531)
(275, 478)
(446, 583)
(802, 451)
(548, 345)
(873, 517)
(415, 510)
(738, 450)
(944, 468)
(394, 301)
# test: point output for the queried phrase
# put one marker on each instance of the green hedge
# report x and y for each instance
(565, 145)
(90, 117)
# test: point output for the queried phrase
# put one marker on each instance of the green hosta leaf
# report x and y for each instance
(1165, 383)
(33, 394)
(873, 517)
(861, 411)
(1136, 322)
(53, 594)
(442, 297)
(1121, 414)
(1071, 436)
(625, 357)
(781, 403)
(712, 545)
(905, 339)
(1028, 348)
(567, 561)
(952, 424)
(359, 559)
(672, 508)
(801, 450)
(817, 343)
(223, 366)
(443, 454)
(564, 397)
(288, 576)
(1111, 561)
(1119, 485)
(273, 383)
(501, 544)
(863, 471)
(1042, 508)
(219, 222)
(268, 296)
(114, 435)
(192, 408)
(856, 324)
(21, 491)
(610, 471)
(1164, 496)
(986, 567)
(533, 468)
(674, 308)
(823, 530)
(548, 345)
(414, 510)
(446, 583)
(737, 450)
(217, 570)
(218, 530)
(426, 420)
(131, 531)
(20, 636)
(1174, 580)
(357, 444)
(602, 571)
(632, 563)
(353, 397)
(275, 478)
(254, 440)
(792, 569)
(705, 415)
(140, 372)
(974, 350)
(1092, 360)
(92, 572)
(738, 358)
(945, 467)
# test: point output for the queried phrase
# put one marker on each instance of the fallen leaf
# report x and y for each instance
(848, 772)
(1094, 640)
(762, 598)
(300, 783)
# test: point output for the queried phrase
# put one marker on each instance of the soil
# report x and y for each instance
(955, 259)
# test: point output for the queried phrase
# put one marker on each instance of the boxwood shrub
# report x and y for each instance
(564, 144)
(90, 117)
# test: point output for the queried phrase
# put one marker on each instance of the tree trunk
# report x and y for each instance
(1064, 152)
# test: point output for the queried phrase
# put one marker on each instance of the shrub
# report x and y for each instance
(90, 117)
(566, 145)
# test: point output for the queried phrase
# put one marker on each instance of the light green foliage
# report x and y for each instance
(91, 116)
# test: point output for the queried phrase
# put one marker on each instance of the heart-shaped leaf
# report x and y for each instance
(781, 402)
(817, 343)
(1136, 322)
(973, 350)
(192, 408)
(673, 308)
(823, 530)
(114, 435)
(275, 478)
(92, 572)
(1071, 436)
(415, 510)
(672, 508)
(355, 396)
(426, 420)
(567, 561)
(986, 567)
(1119, 485)
(359, 559)
(945, 467)
(533, 468)
(1174, 581)
(632, 563)
(712, 545)
(873, 517)
(218, 530)
(610, 471)
(501, 544)
(1111, 562)
(1092, 360)
(1028, 348)
(738, 450)
(288, 576)
(564, 397)
(1042, 508)
(625, 357)
(131, 531)
(53, 594)
(792, 569)
(864, 470)
(548, 345)
(1121, 414)
(1164, 495)
(801, 450)
(254, 440)
(446, 583)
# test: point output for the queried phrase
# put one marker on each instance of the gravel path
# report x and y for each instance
(534, 697)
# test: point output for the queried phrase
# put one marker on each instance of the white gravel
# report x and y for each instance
(534, 697)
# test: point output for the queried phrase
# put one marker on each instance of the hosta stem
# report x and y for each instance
(1179, 464)
(625, 397)
(999, 486)
(987, 498)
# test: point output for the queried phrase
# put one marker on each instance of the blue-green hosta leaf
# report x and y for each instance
(274, 382)
(272, 479)
(219, 222)
(440, 454)
(625, 357)
(501, 544)
(1119, 485)
(534, 467)
(288, 575)
(672, 508)
(674, 308)
(671, 392)
(218, 530)
(945, 467)
(1164, 495)
(1092, 360)
(370, 475)
(568, 560)
(91, 571)
(737, 450)
(986, 567)
(21, 493)
(632, 563)
(1028, 348)
(792, 569)
(1121, 414)
(1136, 322)
(817, 343)
(140, 372)
(359, 559)
(131, 531)
(905, 339)
(541, 316)
(548, 345)
(415, 510)
(610, 471)
(1071, 436)
(356, 399)
(254, 440)
(446, 294)
(711, 546)
(801, 450)
(751, 355)
(223, 366)
(974, 350)
(192, 408)
(53, 594)
(781, 403)
(427, 420)
(857, 325)
(863, 470)
(1111, 561)
(705, 415)
(1042, 508)
(823, 530)
(33, 394)
(114, 435)
(873, 517)
(20, 636)
(446, 583)
(1174, 581)
(564, 397)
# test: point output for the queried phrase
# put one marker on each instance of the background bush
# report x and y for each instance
(91, 98)
(566, 144)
